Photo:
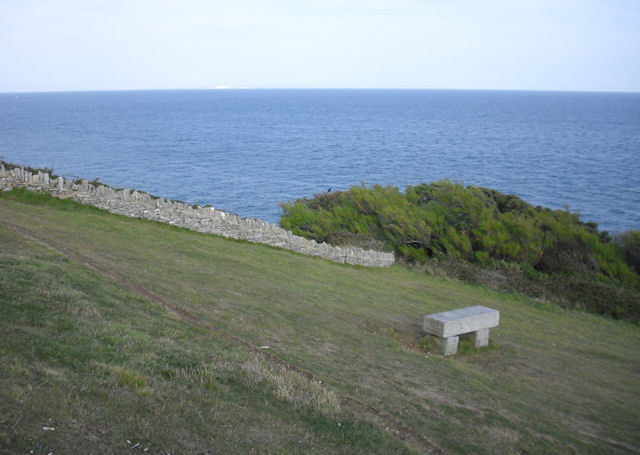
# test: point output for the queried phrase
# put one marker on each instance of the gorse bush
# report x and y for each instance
(444, 220)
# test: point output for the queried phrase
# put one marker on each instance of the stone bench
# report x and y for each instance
(474, 321)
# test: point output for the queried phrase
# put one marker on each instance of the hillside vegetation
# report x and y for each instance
(468, 231)
(121, 334)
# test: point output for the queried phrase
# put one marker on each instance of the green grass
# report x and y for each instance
(85, 351)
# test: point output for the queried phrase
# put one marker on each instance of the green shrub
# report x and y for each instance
(629, 243)
(445, 220)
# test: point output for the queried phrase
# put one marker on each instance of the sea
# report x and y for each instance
(246, 151)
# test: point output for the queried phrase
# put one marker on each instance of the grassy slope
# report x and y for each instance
(84, 354)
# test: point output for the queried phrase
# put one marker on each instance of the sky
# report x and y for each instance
(59, 45)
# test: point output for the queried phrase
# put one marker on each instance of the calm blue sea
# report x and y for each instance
(247, 150)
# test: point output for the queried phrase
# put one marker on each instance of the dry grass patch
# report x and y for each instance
(253, 370)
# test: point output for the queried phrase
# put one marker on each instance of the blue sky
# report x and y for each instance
(50, 45)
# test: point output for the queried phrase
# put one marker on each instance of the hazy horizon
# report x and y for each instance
(316, 88)
(97, 45)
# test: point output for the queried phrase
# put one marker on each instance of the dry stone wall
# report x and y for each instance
(202, 219)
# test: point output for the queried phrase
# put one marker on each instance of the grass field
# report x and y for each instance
(119, 331)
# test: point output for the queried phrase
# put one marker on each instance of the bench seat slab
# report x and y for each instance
(458, 322)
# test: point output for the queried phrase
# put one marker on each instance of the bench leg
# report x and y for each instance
(480, 338)
(449, 345)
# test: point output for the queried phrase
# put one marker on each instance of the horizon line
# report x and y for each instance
(242, 88)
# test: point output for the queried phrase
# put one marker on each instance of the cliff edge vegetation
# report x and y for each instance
(482, 236)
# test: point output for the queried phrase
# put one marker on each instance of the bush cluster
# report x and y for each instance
(448, 221)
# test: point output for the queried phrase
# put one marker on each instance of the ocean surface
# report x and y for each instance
(245, 151)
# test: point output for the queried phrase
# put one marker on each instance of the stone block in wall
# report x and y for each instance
(84, 185)
(3, 172)
(60, 183)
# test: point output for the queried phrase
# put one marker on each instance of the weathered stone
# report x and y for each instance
(480, 338)
(475, 321)
(2, 170)
(461, 321)
(448, 346)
